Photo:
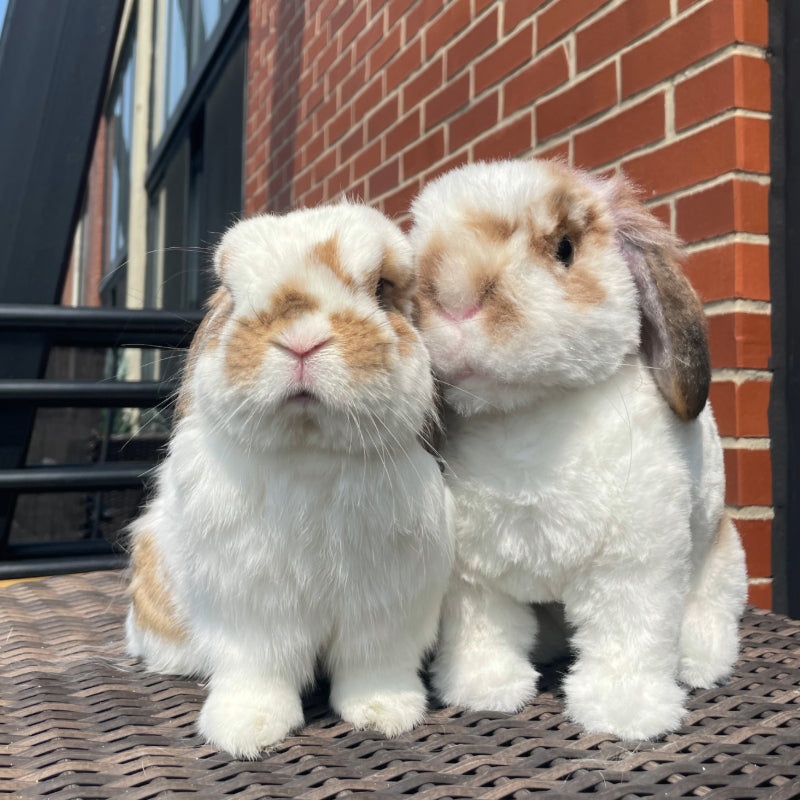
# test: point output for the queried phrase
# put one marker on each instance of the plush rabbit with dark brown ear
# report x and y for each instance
(585, 464)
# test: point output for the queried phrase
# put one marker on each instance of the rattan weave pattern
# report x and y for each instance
(81, 720)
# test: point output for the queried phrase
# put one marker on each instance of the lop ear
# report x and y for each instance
(674, 335)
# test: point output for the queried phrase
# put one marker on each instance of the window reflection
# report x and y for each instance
(119, 138)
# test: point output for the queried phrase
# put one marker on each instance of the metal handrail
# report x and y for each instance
(87, 393)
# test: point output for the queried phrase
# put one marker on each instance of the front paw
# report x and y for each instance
(628, 706)
(391, 702)
(489, 683)
(244, 723)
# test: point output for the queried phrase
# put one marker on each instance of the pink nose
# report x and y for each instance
(460, 314)
(301, 350)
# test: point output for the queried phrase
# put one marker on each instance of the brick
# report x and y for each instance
(663, 212)
(383, 116)
(729, 271)
(420, 13)
(751, 19)
(424, 154)
(397, 9)
(756, 535)
(367, 160)
(405, 132)
(479, 37)
(453, 19)
(351, 144)
(509, 141)
(355, 82)
(397, 203)
(384, 178)
(620, 26)
(577, 103)
(340, 15)
(338, 181)
(323, 166)
(537, 79)
(741, 409)
(739, 143)
(403, 64)
(558, 152)
(447, 101)
(354, 26)
(621, 134)
(740, 339)
(471, 123)
(505, 59)
(561, 17)
(760, 595)
(339, 70)
(736, 82)
(748, 475)
(383, 52)
(340, 125)
(369, 38)
(690, 39)
(445, 166)
(734, 205)
(514, 11)
(424, 84)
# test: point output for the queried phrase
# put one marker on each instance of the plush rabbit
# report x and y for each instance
(585, 465)
(297, 518)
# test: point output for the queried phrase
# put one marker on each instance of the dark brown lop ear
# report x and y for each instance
(674, 336)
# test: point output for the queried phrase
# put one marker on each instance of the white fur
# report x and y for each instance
(573, 482)
(290, 533)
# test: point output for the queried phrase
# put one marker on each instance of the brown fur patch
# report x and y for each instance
(490, 226)
(572, 212)
(206, 338)
(327, 253)
(501, 314)
(153, 606)
(251, 336)
(429, 264)
(406, 337)
(360, 343)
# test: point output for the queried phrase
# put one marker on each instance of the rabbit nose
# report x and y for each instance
(460, 314)
(300, 349)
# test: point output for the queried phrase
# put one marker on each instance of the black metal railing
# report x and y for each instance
(77, 327)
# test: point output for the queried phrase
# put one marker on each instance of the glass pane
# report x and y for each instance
(119, 134)
(177, 60)
(205, 20)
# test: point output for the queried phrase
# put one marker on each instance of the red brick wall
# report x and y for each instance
(373, 97)
(95, 208)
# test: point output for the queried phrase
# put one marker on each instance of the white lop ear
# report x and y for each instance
(674, 335)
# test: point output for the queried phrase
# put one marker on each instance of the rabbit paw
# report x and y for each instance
(630, 707)
(391, 703)
(490, 684)
(243, 723)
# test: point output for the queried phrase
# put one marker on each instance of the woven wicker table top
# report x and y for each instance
(81, 720)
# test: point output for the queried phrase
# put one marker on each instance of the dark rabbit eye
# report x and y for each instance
(565, 251)
(380, 291)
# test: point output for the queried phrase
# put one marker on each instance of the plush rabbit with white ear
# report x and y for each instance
(297, 519)
(585, 465)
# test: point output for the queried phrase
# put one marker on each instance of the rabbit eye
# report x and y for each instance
(380, 291)
(565, 251)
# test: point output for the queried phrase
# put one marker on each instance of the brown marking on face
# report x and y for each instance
(327, 253)
(490, 226)
(501, 314)
(429, 264)
(360, 343)
(572, 212)
(153, 605)
(406, 336)
(206, 338)
(251, 336)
